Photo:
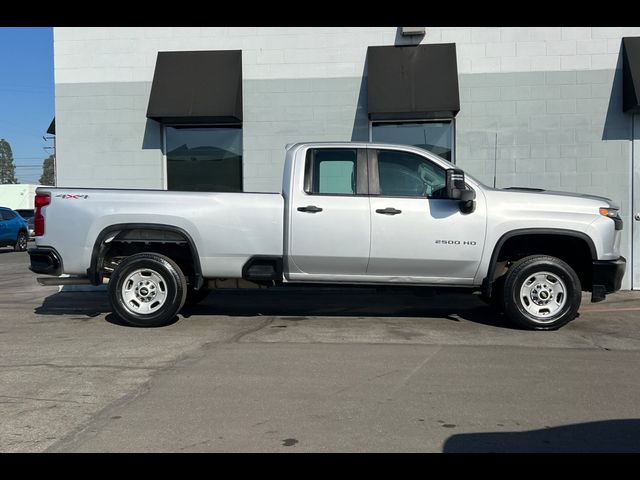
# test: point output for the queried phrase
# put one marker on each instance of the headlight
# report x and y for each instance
(610, 212)
(613, 214)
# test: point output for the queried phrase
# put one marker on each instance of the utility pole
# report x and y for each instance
(55, 170)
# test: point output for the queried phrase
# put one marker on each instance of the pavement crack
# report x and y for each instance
(62, 367)
(370, 379)
(43, 399)
(196, 444)
(408, 377)
(239, 336)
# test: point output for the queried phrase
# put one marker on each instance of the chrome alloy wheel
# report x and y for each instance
(542, 295)
(144, 292)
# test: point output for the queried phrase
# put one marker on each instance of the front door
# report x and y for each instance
(416, 235)
(329, 229)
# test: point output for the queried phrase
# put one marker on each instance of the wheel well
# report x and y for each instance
(573, 250)
(115, 244)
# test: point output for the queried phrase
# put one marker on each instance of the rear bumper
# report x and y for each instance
(607, 277)
(45, 260)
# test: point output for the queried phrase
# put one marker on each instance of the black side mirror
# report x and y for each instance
(457, 190)
(455, 183)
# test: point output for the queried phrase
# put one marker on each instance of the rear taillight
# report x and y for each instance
(42, 200)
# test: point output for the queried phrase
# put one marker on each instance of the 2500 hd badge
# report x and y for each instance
(455, 242)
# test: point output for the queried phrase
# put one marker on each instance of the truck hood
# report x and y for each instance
(539, 191)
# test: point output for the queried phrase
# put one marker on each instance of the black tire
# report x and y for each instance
(196, 296)
(21, 242)
(518, 308)
(164, 277)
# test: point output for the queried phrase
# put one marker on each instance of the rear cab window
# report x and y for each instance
(331, 171)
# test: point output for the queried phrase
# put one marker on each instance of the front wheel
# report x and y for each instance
(147, 290)
(21, 242)
(541, 292)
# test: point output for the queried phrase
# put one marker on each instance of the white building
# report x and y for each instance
(211, 108)
(18, 197)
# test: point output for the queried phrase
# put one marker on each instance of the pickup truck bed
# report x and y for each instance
(226, 228)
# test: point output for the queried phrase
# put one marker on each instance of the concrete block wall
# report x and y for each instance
(101, 140)
(306, 83)
(551, 94)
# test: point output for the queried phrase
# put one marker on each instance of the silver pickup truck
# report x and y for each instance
(349, 214)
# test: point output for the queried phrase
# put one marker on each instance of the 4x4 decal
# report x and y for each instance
(72, 195)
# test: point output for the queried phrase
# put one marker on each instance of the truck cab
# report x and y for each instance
(376, 213)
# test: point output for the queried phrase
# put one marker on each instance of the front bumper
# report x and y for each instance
(46, 261)
(607, 277)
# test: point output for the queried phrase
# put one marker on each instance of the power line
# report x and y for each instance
(17, 85)
(29, 92)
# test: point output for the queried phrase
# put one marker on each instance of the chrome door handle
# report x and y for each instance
(637, 216)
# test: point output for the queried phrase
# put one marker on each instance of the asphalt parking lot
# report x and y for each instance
(323, 371)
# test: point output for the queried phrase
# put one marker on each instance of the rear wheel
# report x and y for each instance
(21, 242)
(541, 293)
(147, 290)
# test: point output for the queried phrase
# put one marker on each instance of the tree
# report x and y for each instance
(7, 168)
(48, 175)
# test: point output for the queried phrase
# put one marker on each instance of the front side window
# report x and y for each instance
(204, 159)
(404, 174)
(334, 171)
(436, 137)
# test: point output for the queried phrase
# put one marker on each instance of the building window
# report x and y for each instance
(204, 159)
(434, 136)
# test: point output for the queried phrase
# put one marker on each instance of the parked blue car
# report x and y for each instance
(13, 230)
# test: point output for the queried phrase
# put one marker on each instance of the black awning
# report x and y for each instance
(52, 127)
(197, 87)
(413, 82)
(631, 74)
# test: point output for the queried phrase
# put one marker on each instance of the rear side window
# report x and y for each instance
(333, 171)
(6, 215)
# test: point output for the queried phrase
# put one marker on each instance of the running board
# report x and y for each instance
(48, 281)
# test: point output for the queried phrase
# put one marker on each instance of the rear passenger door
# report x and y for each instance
(329, 229)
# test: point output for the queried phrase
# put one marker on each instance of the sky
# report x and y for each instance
(26, 96)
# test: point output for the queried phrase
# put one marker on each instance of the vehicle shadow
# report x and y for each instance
(328, 302)
(90, 304)
(300, 304)
(608, 436)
